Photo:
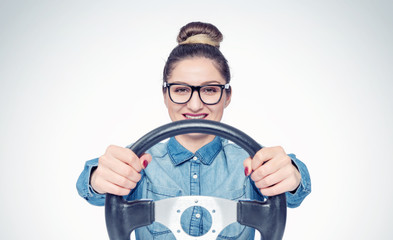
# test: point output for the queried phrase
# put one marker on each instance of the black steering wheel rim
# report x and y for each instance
(195, 126)
(116, 207)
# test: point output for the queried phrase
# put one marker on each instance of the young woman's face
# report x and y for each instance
(196, 72)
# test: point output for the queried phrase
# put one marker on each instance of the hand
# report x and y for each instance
(272, 171)
(118, 171)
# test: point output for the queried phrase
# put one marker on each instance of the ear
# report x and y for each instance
(165, 95)
(228, 98)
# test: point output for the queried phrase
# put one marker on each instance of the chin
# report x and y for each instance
(196, 135)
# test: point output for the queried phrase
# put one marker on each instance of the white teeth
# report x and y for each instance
(195, 117)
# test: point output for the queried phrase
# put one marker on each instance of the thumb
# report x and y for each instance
(247, 166)
(145, 160)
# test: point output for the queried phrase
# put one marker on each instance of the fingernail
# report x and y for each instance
(145, 163)
(246, 171)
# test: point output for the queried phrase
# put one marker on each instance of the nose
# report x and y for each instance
(195, 103)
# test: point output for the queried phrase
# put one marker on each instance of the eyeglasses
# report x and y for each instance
(182, 93)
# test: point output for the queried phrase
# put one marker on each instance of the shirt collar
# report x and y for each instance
(205, 154)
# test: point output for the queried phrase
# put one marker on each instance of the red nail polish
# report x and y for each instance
(246, 171)
(145, 163)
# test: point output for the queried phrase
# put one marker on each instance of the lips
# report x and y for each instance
(195, 116)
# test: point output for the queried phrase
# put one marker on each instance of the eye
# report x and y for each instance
(181, 89)
(210, 90)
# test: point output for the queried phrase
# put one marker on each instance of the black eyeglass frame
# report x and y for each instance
(196, 88)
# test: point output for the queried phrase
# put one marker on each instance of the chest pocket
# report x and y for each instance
(157, 192)
(235, 194)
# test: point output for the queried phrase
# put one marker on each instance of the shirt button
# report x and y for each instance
(197, 215)
(195, 176)
(195, 158)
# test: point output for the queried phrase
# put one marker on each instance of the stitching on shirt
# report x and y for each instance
(155, 233)
(233, 237)
(243, 193)
(150, 189)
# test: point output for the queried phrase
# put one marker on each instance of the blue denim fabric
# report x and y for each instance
(216, 170)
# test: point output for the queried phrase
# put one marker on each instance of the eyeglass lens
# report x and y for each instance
(208, 94)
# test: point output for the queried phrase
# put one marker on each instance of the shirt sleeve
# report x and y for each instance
(294, 199)
(84, 188)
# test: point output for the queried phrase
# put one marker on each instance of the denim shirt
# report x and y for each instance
(215, 170)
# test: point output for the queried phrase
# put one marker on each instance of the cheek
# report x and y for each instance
(172, 107)
(218, 109)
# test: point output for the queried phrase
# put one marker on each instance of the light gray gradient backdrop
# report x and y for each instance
(312, 76)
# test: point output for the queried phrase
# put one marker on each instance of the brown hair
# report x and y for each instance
(199, 28)
(198, 39)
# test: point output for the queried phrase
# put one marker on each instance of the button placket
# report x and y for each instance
(196, 219)
(194, 177)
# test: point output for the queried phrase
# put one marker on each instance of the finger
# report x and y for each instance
(112, 166)
(262, 156)
(101, 185)
(264, 171)
(124, 182)
(247, 166)
(114, 189)
(127, 156)
(266, 154)
(145, 159)
(277, 189)
(124, 177)
(276, 163)
(272, 179)
(123, 154)
(287, 175)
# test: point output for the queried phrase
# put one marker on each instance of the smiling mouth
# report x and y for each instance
(195, 116)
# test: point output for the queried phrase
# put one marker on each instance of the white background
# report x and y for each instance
(312, 76)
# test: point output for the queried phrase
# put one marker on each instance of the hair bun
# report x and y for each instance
(200, 33)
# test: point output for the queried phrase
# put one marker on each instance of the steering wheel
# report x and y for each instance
(268, 216)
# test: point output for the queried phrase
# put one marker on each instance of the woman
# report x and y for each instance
(195, 86)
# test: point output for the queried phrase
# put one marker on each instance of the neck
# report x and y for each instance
(194, 141)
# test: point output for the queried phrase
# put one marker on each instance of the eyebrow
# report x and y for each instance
(203, 83)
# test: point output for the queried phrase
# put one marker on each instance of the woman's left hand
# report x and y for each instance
(272, 171)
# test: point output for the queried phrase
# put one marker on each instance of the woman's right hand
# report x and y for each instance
(118, 171)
